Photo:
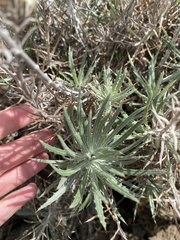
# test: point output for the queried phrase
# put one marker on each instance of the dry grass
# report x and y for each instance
(106, 31)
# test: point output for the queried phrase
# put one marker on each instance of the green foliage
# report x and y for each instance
(162, 113)
(79, 80)
(152, 91)
(112, 87)
(5, 80)
(41, 223)
(99, 158)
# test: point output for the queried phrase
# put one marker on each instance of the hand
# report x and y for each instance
(15, 164)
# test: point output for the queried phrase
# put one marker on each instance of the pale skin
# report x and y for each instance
(16, 166)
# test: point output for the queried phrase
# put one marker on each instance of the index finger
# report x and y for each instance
(14, 118)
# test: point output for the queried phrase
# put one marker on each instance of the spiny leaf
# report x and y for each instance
(100, 114)
(72, 67)
(66, 148)
(141, 172)
(55, 196)
(127, 133)
(86, 202)
(69, 171)
(121, 189)
(81, 191)
(99, 209)
(121, 125)
(140, 142)
(74, 133)
(53, 149)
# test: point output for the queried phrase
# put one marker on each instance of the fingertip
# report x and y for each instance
(16, 117)
(43, 155)
(47, 135)
(31, 189)
(15, 200)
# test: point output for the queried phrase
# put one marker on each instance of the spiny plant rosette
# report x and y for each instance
(160, 97)
(98, 159)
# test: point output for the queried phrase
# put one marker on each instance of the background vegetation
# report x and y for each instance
(104, 75)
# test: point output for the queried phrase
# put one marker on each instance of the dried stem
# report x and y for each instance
(18, 51)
